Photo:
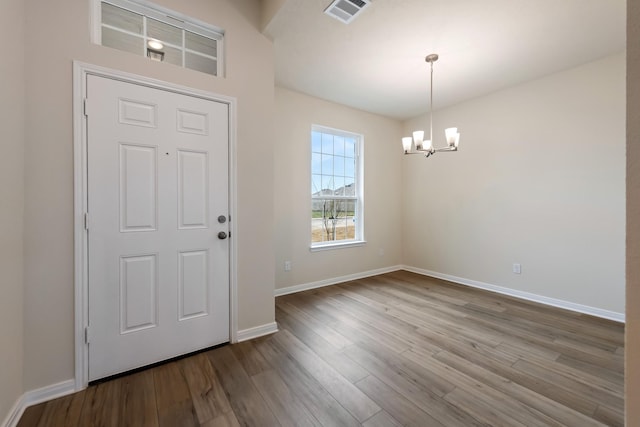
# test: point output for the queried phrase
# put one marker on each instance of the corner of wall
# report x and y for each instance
(12, 134)
(632, 330)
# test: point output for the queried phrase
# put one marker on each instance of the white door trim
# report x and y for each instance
(80, 72)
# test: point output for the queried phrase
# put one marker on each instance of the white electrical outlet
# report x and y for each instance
(287, 266)
(517, 269)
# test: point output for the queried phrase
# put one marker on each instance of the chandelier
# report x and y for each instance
(417, 144)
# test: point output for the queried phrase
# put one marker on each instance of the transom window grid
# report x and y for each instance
(336, 199)
(129, 26)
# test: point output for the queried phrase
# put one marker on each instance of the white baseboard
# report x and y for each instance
(335, 280)
(258, 331)
(34, 397)
(593, 311)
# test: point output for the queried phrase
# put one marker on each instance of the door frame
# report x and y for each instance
(81, 71)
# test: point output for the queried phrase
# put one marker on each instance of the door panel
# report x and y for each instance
(157, 181)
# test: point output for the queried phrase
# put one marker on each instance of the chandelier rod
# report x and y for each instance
(431, 60)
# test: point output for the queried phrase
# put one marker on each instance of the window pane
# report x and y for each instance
(351, 210)
(316, 142)
(327, 143)
(121, 41)
(349, 147)
(172, 55)
(327, 185)
(316, 163)
(349, 188)
(349, 168)
(332, 220)
(351, 223)
(164, 32)
(201, 63)
(316, 185)
(327, 164)
(201, 44)
(121, 18)
(338, 166)
(338, 145)
(339, 185)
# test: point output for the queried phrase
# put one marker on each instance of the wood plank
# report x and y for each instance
(613, 374)
(609, 417)
(31, 415)
(337, 359)
(322, 405)
(247, 403)
(571, 384)
(101, 405)
(592, 379)
(419, 395)
(333, 338)
(208, 396)
(407, 413)
(227, 419)
(138, 400)
(344, 391)
(287, 408)
(250, 359)
(174, 401)
(556, 410)
(488, 414)
(381, 419)
(357, 330)
(63, 411)
(484, 393)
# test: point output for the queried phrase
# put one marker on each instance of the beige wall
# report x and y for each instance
(11, 202)
(539, 180)
(632, 354)
(63, 27)
(295, 113)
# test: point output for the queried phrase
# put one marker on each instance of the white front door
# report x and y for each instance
(157, 200)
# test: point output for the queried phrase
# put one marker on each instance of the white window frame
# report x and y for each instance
(359, 190)
(166, 16)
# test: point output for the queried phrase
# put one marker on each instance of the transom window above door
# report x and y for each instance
(160, 34)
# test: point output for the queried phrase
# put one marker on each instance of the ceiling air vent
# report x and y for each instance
(346, 10)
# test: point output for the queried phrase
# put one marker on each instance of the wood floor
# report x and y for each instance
(391, 350)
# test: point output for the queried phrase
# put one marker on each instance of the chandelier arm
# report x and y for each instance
(446, 149)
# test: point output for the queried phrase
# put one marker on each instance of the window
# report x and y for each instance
(336, 188)
(160, 34)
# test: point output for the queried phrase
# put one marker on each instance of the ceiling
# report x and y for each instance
(376, 63)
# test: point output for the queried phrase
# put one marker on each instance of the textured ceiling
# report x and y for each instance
(376, 63)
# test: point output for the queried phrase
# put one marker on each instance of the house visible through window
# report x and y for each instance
(160, 34)
(336, 187)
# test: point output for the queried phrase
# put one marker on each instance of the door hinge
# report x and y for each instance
(86, 221)
(85, 107)
(87, 335)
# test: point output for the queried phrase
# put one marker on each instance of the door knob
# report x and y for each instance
(222, 235)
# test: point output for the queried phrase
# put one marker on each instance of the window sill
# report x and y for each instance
(342, 245)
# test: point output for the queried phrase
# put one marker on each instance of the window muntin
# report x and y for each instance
(129, 25)
(336, 187)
